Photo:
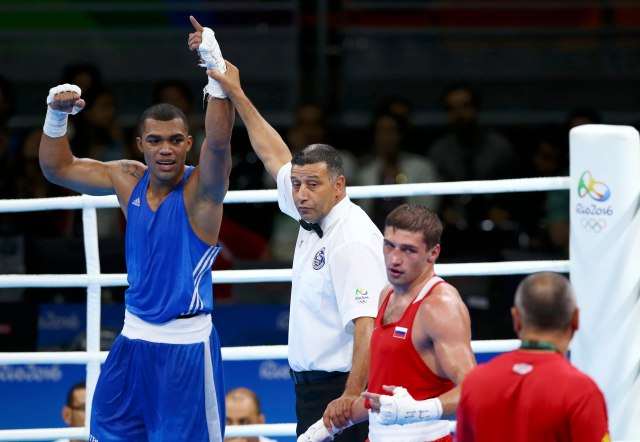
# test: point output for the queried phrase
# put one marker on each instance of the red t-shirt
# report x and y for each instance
(530, 396)
(395, 360)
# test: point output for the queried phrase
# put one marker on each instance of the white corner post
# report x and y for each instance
(605, 266)
(90, 226)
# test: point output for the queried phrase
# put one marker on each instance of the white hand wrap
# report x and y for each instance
(318, 432)
(401, 408)
(213, 89)
(211, 57)
(55, 123)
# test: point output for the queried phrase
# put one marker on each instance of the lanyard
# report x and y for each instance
(537, 345)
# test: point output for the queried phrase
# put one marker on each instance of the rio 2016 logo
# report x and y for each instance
(594, 225)
(593, 214)
(362, 295)
(597, 190)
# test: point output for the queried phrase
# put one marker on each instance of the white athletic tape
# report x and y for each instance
(319, 433)
(55, 123)
(210, 52)
(65, 88)
(211, 57)
(401, 408)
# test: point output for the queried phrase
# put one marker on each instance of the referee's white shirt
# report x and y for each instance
(336, 279)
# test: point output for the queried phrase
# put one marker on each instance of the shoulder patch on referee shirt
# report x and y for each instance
(362, 295)
(318, 260)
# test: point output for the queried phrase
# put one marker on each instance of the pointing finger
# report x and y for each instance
(195, 24)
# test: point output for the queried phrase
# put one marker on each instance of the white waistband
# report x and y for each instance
(176, 331)
(415, 432)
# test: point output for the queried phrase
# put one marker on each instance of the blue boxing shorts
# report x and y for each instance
(161, 382)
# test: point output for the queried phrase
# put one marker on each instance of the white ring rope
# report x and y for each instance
(247, 353)
(266, 196)
(281, 275)
(94, 280)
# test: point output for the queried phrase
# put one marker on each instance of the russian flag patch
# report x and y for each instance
(400, 332)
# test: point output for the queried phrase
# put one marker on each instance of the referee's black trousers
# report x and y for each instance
(312, 399)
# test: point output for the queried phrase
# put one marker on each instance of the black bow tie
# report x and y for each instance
(311, 226)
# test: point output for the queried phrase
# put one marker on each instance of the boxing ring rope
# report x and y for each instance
(94, 280)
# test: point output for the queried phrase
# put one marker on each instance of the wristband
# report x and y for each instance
(213, 89)
(55, 123)
(210, 54)
(367, 403)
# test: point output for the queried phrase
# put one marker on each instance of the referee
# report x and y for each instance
(338, 271)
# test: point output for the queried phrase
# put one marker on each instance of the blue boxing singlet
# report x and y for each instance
(169, 267)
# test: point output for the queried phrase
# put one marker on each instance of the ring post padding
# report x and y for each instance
(605, 257)
(90, 231)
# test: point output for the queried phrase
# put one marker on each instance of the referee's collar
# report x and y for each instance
(335, 213)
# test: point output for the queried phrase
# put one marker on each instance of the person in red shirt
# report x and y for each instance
(534, 393)
(421, 341)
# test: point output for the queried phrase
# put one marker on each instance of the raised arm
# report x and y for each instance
(215, 154)
(225, 82)
(205, 191)
(83, 175)
(265, 140)
(204, 195)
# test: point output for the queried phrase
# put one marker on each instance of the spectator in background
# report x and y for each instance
(403, 108)
(7, 179)
(470, 151)
(100, 136)
(88, 77)
(238, 243)
(243, 408)
(556, 220)
(98, 133)
(582, 115)
(534, 393)
(7, 110)
(391, 163)
(73, 412)
(178, 93)
(547, 158)
(8, 103)
(310, 127)
(397, 105)
(31, 183)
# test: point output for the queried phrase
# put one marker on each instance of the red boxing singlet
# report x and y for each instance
(394, 359)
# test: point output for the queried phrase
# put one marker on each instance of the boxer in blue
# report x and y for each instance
(163, 379)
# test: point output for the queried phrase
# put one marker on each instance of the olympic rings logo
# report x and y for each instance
(597, 190)
(595, 225)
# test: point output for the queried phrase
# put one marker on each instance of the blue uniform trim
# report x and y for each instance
(203, 267)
